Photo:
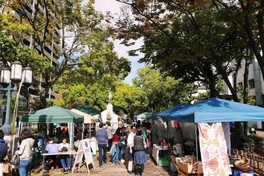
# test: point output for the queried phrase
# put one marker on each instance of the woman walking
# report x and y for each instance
(115, 147)
(140, 157)
(24, 152)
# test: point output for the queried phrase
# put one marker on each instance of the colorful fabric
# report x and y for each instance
(213, 150)
(226, 129)
(174, 124)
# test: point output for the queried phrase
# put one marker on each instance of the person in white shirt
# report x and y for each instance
(110, 135)
(65, 159)
(130, 144)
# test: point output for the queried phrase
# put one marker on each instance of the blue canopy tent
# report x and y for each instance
(217, 110)
(164, 115)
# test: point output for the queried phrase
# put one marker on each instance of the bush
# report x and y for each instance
(253, 143)
(248, 144)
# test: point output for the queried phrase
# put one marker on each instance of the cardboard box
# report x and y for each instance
(188, 168)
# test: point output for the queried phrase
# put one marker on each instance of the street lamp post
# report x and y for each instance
(2, 114)
(9, 76)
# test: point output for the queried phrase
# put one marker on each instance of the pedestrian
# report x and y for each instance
(122, 145)
(110, 135)
(140, 157)
(3, 151)
(65, 160)
(102, 141)
(130, 145)
(115, 147)
(52, 148)
(25, 152)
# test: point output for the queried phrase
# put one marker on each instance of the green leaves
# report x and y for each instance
(160, 91)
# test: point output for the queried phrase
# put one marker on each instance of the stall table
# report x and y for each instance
(184, 168)
(160, 150)
(70, 152)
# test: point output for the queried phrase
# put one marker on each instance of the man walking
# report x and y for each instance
(130, 144)
(102, 141)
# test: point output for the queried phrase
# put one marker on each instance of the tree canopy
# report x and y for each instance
(161, 91)
(193, 40)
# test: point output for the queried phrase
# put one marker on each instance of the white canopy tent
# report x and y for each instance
(114, 118)
(88, 119)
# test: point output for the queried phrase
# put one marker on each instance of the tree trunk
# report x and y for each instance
(245, 93)
(227, 81)
(238, 66)
(213, 90)
(210, 78)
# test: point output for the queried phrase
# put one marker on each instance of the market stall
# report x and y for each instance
(54, 114)
(213, 111)
(88, 119)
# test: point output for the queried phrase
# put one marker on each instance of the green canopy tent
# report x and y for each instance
(88, 110)
(54, 114)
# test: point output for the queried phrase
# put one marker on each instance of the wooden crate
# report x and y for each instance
(185, 167)
(190, 168)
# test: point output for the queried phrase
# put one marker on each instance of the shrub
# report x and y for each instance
(253, 143)
(248, 144)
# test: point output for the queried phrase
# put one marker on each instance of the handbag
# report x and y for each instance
(15, 160)
(64, 149)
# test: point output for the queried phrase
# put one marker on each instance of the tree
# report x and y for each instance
(160, 91)
(127, 99)
(186, 40)
(96, 72)
(249, 18)
(57, 25)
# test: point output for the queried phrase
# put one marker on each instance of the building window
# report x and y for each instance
(251, 84)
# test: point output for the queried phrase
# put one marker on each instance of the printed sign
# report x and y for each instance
(84, 149)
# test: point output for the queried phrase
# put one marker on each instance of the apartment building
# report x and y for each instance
(255, 85)
(50, 49)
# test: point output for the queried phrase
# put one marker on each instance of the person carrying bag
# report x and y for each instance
(25, 152)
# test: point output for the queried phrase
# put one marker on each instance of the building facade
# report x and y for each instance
(255, 85)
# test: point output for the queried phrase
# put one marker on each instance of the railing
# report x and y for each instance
(256, 161)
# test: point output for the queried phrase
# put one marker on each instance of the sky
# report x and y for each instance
(113, 6)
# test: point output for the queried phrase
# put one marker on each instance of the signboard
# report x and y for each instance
(84, 149)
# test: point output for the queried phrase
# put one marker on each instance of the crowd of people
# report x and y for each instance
(30, 145)
(131, 140)
(126, 144)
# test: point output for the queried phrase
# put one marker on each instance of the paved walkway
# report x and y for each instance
(110, 169)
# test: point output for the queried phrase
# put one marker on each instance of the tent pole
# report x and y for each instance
(196, 140)
(19, 128)
(83, 131)
(196, 143)
(90, 129)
